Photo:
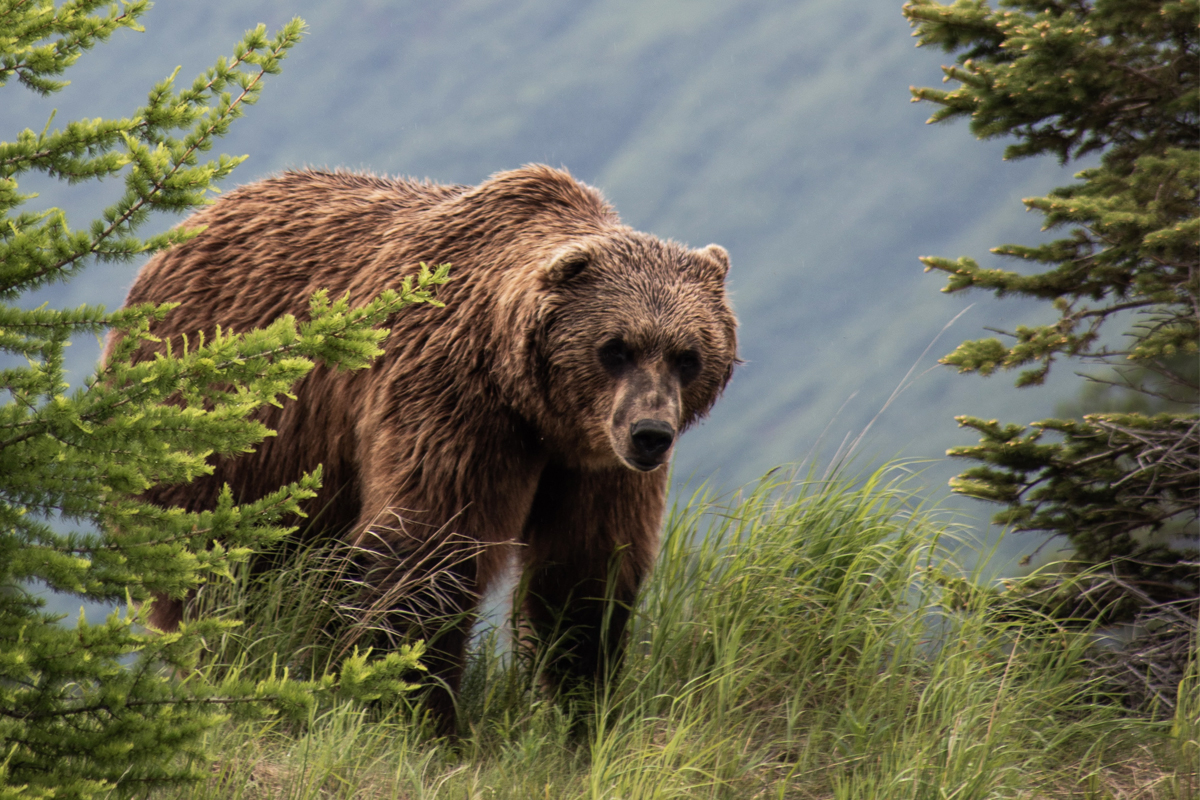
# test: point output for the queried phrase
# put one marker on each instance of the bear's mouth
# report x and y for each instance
(644, 465)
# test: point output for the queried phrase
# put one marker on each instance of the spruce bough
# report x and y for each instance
(77, 718)
(1116, 79)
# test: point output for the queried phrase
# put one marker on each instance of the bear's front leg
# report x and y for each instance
(437, 524)
(420, 587)
(590, 540)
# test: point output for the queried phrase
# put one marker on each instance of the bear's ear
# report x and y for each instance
(715, 256)
(566, 265)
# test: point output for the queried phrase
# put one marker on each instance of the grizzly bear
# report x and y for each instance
(533, 413)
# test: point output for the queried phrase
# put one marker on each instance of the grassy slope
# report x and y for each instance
(790, 644)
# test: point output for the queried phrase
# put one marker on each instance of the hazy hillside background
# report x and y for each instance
(783, 131)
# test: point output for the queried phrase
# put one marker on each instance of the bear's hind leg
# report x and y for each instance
(166, 613)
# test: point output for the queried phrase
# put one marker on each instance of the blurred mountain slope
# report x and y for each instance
(782, 131)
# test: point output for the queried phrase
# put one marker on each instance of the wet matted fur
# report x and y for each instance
(534, 413)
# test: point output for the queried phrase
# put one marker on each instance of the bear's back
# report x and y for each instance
(267, 247)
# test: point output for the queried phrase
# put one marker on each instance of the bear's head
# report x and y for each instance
(634, 342)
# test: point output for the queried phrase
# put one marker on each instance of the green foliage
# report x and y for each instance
(1117, 78)
(77, 719)
(806, 638)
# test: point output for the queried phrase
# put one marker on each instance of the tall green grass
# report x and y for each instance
(795, 641)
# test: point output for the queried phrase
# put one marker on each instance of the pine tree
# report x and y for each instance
(77, 719)
(1117, 80)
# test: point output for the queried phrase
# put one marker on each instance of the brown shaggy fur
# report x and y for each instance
(536, 409)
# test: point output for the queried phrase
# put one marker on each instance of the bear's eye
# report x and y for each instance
(615, 355)
(688, 365)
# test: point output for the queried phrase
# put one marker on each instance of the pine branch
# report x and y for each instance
(1067, 79)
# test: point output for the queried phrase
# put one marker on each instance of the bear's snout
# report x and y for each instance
(652, 438)
(646, 413)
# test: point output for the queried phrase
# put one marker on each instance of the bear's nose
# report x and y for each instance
(651, 437)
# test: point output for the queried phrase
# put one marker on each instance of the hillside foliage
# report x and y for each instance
(794, 641)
